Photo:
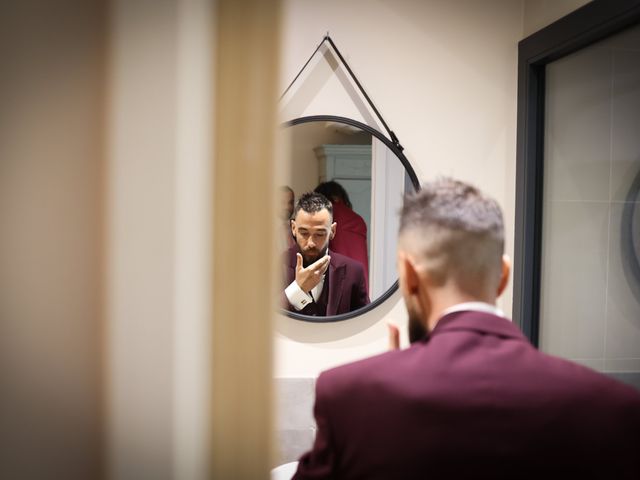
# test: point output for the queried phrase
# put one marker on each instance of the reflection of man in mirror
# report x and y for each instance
(320, 282)
(287, 199)
(351, 235)
(471, 398)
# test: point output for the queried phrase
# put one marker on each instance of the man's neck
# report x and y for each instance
(446, 299)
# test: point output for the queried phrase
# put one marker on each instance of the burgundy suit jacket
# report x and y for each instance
(346, 283)
(475, 400)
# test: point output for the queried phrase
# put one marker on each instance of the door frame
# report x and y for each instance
(581, 28)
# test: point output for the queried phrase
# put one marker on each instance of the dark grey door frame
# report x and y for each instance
(594, 21)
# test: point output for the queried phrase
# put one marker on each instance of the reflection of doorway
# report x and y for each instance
(305, 138)
(578, 144)
(388, 187)
(374, 180)
(350, 166)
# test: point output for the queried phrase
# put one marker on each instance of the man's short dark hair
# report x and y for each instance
(455, 230)
(312, 202)
(333, 189)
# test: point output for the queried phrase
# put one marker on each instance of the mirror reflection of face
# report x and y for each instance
(312, 232)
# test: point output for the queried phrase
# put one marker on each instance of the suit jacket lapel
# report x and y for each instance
(336, 279)
(290, 273)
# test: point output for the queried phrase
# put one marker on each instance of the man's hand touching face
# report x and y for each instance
(308, 277)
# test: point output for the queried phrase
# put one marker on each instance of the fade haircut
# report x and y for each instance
(312, 202)
(456, 232)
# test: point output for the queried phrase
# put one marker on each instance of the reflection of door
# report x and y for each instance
(388, 179)
(350, 166)
(579, 152)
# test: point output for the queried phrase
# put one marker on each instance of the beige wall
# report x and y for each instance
(443, 75)
(446, 85)
(51, 163)
(540, 13)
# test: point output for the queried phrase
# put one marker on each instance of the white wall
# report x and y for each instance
(443, 75)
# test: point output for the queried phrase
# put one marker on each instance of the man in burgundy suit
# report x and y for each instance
(320, 282)
(471, 397)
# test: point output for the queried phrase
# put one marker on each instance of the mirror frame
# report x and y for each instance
(416, 185)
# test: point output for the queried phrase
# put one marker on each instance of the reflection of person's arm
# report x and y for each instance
(297, 298)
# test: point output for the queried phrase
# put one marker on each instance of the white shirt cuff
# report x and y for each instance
(297, 298)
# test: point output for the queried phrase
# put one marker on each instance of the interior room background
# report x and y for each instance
(105, 187)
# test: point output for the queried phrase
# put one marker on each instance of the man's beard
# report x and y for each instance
(417, 330)
(309, 258)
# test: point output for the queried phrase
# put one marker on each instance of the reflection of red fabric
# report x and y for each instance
(351, 236)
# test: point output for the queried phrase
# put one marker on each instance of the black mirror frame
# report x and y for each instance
(414, 181)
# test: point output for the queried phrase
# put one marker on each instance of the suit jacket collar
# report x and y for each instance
(479, 322)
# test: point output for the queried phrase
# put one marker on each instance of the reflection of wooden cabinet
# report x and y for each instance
(350, 166)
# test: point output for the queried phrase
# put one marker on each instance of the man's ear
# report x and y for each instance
(408, 272)
(333, 230)
(292, 223)
(504, 276)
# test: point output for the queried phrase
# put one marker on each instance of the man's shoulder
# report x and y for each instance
(378, 369)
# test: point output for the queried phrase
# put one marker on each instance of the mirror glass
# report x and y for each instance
(367, 177)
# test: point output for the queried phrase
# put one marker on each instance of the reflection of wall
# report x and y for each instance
(304, 162)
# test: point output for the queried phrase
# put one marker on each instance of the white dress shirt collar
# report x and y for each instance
(475, 307)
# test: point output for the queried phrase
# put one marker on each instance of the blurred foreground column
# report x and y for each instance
(246, 81)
